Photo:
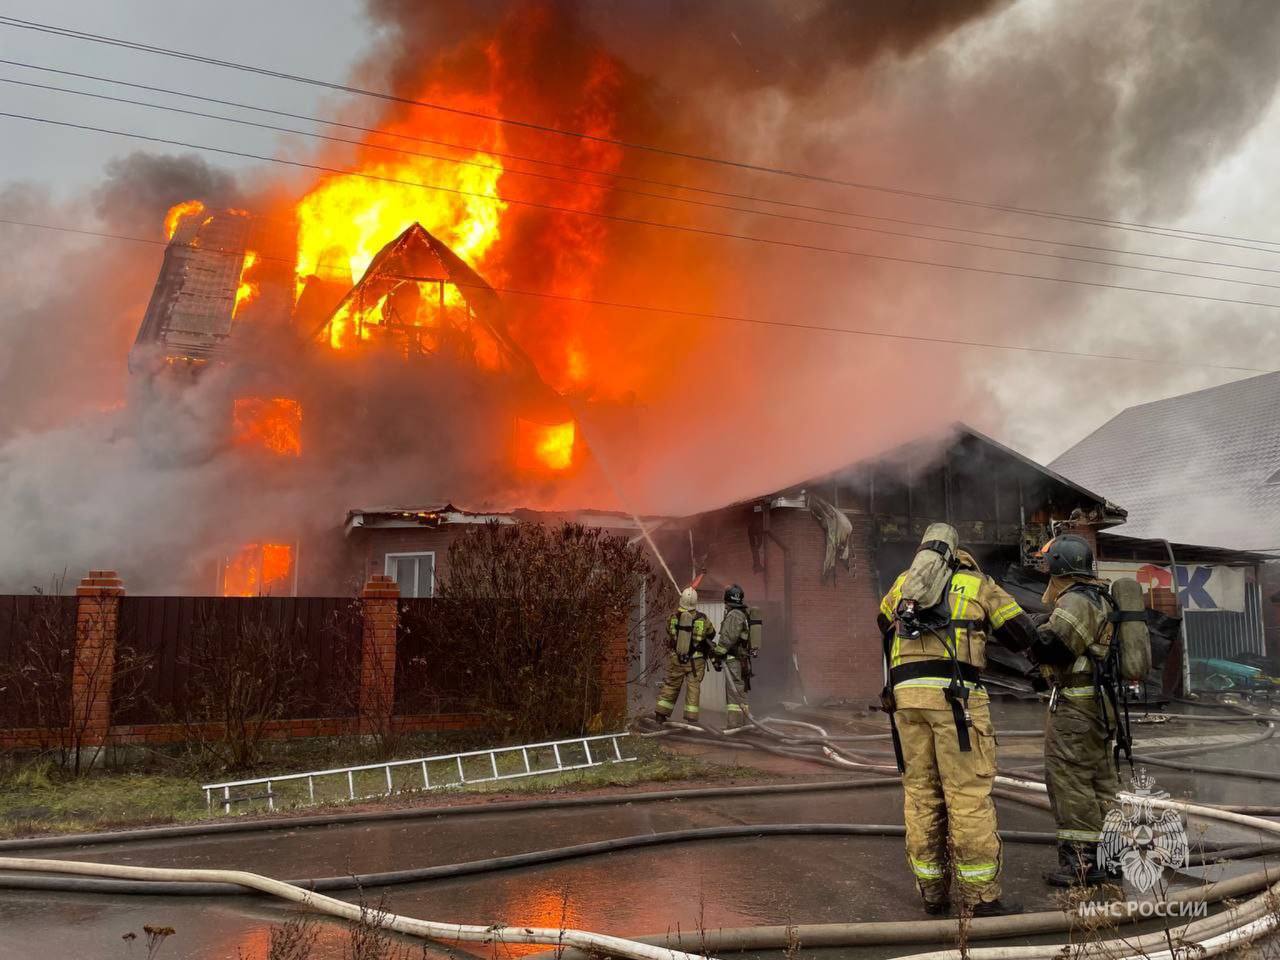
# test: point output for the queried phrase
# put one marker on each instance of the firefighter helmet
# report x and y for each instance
(1067, 555)
(734, 596)
(688, 598)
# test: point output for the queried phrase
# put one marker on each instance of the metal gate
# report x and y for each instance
(713, 696)
(1219, 634)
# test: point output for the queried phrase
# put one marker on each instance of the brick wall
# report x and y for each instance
(832, 630)
(370, 546)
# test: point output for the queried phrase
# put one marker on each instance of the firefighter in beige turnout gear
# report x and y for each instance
(1078, 763)
(936, 620)
(687, 668)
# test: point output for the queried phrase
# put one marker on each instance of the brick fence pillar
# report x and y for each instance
(613, 679)
(381, 599)
(93, 668)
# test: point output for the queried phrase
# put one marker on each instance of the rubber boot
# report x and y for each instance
(937, 908)
(994, 908)
(661, 717)
(1077, 866)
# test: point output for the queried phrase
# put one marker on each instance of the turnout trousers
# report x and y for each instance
(735, 695)
(678, 674)
(1079, 771)
(949, 814)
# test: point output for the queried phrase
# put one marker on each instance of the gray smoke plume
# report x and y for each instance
(1151, 111)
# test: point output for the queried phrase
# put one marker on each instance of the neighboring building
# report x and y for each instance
(1200, 468)
(1203, 467)
(821, 554)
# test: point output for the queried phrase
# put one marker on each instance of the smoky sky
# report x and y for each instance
(1141, 112)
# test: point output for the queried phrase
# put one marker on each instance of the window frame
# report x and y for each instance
(389, 558)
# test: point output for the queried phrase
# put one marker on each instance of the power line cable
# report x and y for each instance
(649, 148)
(676, 311)
(611, 174)
(701, 203)
(640, 221)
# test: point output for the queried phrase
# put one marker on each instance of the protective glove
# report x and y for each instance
(682, 658)
(1037, 679)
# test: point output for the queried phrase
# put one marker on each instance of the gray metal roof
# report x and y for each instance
(1193, 468)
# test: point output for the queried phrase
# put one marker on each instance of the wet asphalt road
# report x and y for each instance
(718, 883)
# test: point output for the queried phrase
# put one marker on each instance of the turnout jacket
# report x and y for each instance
(979, 609)
(734, 633)
(1076, 634)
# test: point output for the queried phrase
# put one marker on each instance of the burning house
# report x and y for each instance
(417, 305)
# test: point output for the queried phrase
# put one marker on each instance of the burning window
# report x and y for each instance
(273, 423)
(258, 569)
(545, 446)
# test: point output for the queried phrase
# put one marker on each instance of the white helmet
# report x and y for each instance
(688, 598)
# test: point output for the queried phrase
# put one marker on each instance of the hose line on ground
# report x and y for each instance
(430, 929)
(1222, 931)
(1207, 853)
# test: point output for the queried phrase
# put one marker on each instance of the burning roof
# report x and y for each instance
(194, 301)
(420, 297)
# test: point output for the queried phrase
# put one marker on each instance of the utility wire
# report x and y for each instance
(640, 221)
(596, 138)
(673, 311)
(701, 203)
(610, 174)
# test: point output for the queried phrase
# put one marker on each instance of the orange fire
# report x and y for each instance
(274, 423)
(538, 234)
(179, 212)
(346, 219)
(545, 446)
(258, 569)
(247, 289)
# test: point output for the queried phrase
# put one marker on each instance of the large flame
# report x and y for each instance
(347, 218)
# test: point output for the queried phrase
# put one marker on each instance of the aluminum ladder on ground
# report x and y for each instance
(450, 770)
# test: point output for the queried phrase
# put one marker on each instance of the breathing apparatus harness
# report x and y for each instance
(736, 651)
(1107, 685)
(910, 621)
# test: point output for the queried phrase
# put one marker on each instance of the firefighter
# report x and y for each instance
(685, 667)
(936, 620)
(734, 650)
(1071, 645)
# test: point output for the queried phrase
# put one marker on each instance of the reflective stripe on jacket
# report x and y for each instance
(976, 605)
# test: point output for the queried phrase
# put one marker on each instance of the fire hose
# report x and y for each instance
(1218, 933)
(1219, 930)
